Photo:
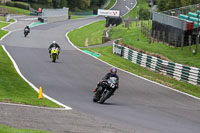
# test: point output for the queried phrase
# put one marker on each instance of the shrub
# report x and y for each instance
(21, 5)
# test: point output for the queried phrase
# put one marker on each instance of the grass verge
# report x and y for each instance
(3, 24)
(76, 17)
(7, 129)
(174, 54)
(90, 35)
(13, 88)
(2, 18)
(14, 10)
(12, 20)
(133, 12)
(112, 2)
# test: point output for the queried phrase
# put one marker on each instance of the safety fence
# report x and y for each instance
(175, 70)
(53, 15)
(84, 13)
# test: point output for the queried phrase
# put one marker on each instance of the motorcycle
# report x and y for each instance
(26, 31)
(110, 86)
(54, 54)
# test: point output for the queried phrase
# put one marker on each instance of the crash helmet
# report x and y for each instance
(113, 70)
(54, 42)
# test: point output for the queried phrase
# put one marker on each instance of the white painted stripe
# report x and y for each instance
(18, 16)
(33, 86)
(127, 7)
(131, 8)
(31, 106)
(30, 19)
(114, 4)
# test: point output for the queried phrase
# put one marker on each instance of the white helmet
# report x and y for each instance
(54, 42)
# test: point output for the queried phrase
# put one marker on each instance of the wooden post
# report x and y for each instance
(158, 36)
(154, 32)
(182, 42)
(163, 37)
(190, 42)
(175, 40)
(149, 36)
(146, 32)
(169, 38)
(197, 44)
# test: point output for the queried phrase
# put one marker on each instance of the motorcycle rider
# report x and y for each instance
(112, 73)
(55, 45)
(27, 28)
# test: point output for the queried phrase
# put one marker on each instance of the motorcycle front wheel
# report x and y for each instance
(105, 96)
(54, 57)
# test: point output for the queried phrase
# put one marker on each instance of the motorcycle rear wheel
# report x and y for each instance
(97, 94)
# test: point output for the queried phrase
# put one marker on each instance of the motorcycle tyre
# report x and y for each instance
(54, 58)
(97, 95)
(104, 97)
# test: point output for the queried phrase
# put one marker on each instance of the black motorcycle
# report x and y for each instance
(26, 31)
(101, 95)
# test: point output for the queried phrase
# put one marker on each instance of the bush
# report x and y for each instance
(21, 5)
(144, 14)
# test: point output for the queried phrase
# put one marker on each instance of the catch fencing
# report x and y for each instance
(175, 70)
(54, 15)
(169, 20)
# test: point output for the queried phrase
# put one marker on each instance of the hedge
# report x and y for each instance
(21, 5)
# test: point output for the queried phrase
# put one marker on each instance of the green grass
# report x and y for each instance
(13, 10)
(12, 87)
(133, 12)
(76, 17)
(2, 18)
(174, 54)
(112, 2)
(7, 129)
(2, 33)
(12, 20)
(3, 24)
(93, 32)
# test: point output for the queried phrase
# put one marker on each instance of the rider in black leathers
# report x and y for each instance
(54, 44)
(27, 27)
(112, 73)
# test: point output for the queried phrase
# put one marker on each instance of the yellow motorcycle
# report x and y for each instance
(54, 54)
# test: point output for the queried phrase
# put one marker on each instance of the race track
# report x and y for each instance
(139, 106)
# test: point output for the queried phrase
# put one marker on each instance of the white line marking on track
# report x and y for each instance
(30, 19)
(114, 4)
(131, 8)
(127, 71)
(127, 7)
(31, 106)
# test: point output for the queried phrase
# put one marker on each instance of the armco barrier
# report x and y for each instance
(175, 70)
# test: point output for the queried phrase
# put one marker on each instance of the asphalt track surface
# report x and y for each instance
(139, 106)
